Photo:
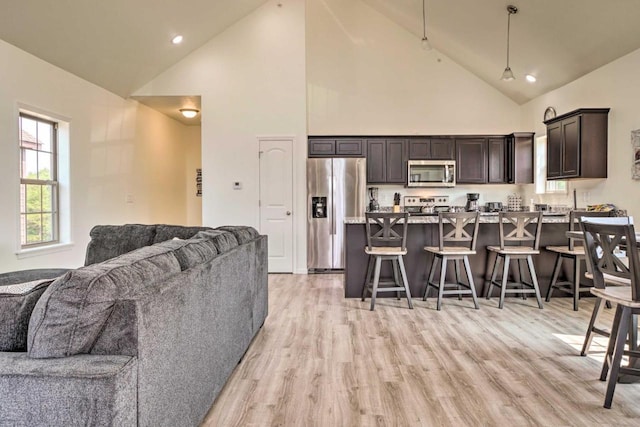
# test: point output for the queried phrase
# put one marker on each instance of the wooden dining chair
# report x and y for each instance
(456, 245)
(386, 241)
(520, 244)
(604, 244)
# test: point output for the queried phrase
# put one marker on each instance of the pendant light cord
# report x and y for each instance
(424, 21)
(508, 34)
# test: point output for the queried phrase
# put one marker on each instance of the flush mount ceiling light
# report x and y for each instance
(189, 113)
(530, 78)
(425, 41)
(507, 74)
(177, 39)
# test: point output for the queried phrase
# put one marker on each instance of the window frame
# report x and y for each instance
(53, 183)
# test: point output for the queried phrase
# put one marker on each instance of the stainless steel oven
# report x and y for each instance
(431, 173)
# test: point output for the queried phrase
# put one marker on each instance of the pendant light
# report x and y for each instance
(425, 41)
(507, 74)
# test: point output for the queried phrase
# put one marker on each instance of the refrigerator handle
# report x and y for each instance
(333, 218)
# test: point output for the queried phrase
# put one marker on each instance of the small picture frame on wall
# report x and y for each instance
(635, 144)
(198, 182)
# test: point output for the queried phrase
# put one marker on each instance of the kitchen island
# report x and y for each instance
(423, 231)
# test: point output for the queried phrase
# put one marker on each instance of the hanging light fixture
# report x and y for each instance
(507, 74)
(425, 41)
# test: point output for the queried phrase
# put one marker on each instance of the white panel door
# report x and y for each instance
(276, 202)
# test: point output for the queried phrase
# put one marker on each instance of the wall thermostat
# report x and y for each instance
(237, 185)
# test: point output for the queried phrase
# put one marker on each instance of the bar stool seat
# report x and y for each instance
(459, 223)
(517, 237)
(386, 241)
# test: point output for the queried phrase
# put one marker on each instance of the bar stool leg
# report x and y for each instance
(597, 308)
(467, 268)
(367, 281)
(534, 280)
(396, 275)
(456, 267)
(443, 274)
(403, 272)
(615, 330)
(554, 277)
(376, 279)
(494, 274)
(616, 360)
(521, 273)
(576, 283)
(432, 271)
(505, 277)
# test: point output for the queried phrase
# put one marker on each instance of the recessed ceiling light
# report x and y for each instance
(177, 39)
(530, 78)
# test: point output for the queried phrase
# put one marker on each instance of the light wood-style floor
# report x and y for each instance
(323, 360)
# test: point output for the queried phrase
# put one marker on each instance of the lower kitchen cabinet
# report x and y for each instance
(471, 161)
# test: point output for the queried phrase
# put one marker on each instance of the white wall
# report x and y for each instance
(117, 147)
(367, 75)
(617, 86)
(251, 79)
(193, 153)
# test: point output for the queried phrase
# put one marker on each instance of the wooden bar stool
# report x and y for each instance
(571, 252)
(386, 241)
(454, 246)
(601, 282)
(519, 235)
(603, 245)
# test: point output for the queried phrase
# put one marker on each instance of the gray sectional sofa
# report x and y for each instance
(145, 334)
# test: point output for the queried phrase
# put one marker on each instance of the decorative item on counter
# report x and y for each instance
(396, 202)
(514, 202)
(603, 207)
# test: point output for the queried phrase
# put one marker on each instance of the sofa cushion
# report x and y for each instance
(223, 240)
(73, 310)
(243, 233)
(168, 232)
(16, 304)
(191, 252)
(110, 241)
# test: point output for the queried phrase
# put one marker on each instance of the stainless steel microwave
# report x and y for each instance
(431, 173)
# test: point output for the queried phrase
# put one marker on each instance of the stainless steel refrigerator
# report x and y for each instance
(336, 188)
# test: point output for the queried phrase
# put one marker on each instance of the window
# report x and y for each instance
(39, 214)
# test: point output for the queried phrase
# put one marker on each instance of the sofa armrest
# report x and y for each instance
(72, 391)
(23, 276)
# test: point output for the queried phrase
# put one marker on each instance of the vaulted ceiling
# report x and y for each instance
(121, 44)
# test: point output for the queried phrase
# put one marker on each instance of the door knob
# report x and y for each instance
(288, 213)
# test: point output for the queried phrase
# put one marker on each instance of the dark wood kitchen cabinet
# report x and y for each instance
(431, 149)
(343, 147)
(387, 161)
(471, 161)
(577, 144)
(497, 161)
(519, 154)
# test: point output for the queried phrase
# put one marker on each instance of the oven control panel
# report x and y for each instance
(426, 201)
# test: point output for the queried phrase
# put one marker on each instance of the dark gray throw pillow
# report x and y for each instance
(16, 304)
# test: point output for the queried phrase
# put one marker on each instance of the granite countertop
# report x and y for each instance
(485, 218)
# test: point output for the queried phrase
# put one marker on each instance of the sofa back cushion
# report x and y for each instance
(110, 241)
(191, 252)
(168, 232)
(16, 304)
(243, 233)
(222, 240)
(74, 309)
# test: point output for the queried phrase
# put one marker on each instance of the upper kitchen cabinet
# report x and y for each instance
(497, 161)
(577, 144)
(471, 160)
(386, 161)
(343, 147)
(431, 149)
(519, 153)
